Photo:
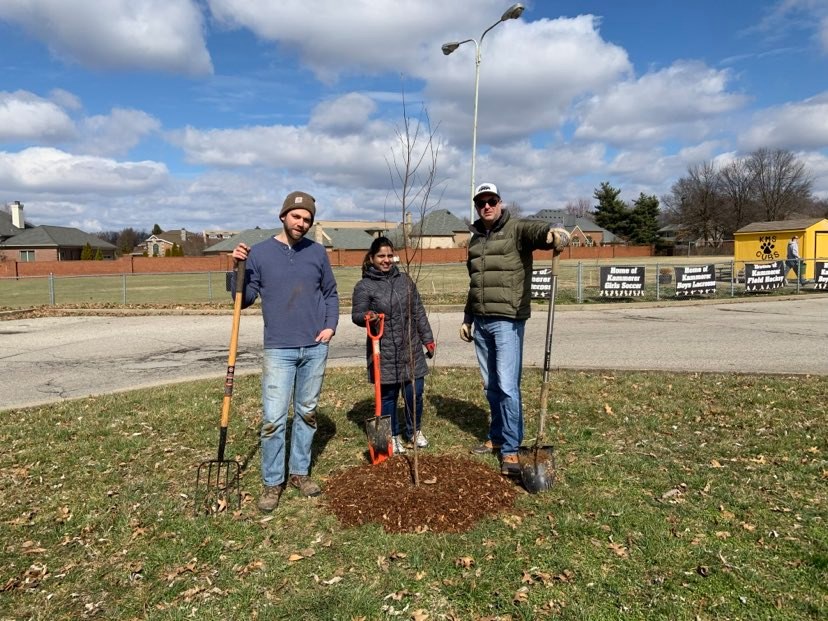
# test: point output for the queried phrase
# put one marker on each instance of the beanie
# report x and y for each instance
(299, 200)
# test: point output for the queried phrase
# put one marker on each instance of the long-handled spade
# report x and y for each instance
(537, 462)
(378, 427)
(217, 481)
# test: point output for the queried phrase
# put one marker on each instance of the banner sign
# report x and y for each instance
(696, 280)
(821, 275)
(621, 281)
(541, 283)
(764, 276)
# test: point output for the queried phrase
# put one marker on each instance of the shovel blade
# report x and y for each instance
(218, 487)
(378, 430)
(537, 468)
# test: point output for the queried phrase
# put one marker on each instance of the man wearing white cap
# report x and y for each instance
(497, 307)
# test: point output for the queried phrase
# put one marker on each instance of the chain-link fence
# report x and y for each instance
(579, 282)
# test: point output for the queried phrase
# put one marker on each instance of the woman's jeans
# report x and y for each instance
(413, 398)
(290, 374)
(498, 343)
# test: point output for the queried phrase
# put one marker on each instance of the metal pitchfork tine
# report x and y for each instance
(218, 487)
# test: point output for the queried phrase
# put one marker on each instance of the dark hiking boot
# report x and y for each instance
(304, 484)
(269, 499)
(509, 466)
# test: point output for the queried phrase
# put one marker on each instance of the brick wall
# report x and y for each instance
(222, 263)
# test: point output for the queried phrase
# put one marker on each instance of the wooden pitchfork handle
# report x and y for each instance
(231, 359)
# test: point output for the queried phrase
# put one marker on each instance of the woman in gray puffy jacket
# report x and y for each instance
(406, 340)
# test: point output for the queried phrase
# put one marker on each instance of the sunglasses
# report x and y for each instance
(491, 202)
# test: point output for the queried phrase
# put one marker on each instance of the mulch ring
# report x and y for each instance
(453, 495)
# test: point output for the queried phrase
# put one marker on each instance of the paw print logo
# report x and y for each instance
(766, 248)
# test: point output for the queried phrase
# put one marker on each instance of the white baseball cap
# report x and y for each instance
(486, 188)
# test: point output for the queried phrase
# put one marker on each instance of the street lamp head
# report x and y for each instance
(513, 12)
(448, 48)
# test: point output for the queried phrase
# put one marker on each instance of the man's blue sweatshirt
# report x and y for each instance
(297, 288)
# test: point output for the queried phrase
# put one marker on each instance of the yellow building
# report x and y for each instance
(762, 242)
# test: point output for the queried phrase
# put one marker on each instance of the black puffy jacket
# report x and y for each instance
(406, 328)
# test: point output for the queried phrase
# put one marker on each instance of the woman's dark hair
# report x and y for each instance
(379, 242)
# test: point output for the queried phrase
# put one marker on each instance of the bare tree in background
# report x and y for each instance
(736, 185)
(780, 181)
(582, 208)
(514, 209)
(696, 202)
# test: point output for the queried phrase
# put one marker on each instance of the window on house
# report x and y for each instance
(27, 256)
(576, 241)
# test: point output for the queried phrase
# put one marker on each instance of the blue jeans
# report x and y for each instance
(290, 374)
(411, 393)
(499, 346)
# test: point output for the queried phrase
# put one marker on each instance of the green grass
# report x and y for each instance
(679, 497)
(438, 284)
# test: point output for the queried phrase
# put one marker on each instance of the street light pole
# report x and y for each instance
(513, 12)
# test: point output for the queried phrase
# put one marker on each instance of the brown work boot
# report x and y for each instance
(269, 499)
(485, 448)
(509, 465)
(304, 484)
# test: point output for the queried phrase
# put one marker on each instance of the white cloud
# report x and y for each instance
(115, 133)
(46, 170)
(347, 114)
(795, 125)
(345, 159)
(332, 37)
(164, 35)
(25, 116)
(65, 99)
(529, 75)
(683, 100)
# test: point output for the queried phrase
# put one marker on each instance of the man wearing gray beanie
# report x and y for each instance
(300, 307)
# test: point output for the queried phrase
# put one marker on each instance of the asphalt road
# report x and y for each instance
(50, 359)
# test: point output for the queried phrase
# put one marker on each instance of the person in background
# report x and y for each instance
(794, 262)
(406, 340)
(300, 307)
(497, 307)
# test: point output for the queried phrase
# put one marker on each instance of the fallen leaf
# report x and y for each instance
(430, 481)
(608, 409)
(521, 596)
(465, 562)
(619, 549)
(419, 615)
(333, 580)
(295, 557)
(714, 463)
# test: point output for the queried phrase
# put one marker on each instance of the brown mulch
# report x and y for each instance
(453, 495)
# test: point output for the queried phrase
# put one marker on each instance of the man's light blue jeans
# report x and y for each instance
(290, 374)
(498, 343)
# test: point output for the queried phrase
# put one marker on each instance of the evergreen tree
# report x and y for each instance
(156, 230)
(98, 255)
(87, 253)
(611, 212)
(644, 220)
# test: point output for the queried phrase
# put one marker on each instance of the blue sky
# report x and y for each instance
(204, 114)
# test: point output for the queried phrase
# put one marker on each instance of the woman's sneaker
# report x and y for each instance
(420, 439)
(397, 445)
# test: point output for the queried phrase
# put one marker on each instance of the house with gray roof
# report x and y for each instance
(584, 232)
(53, 243)
(330, 237)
